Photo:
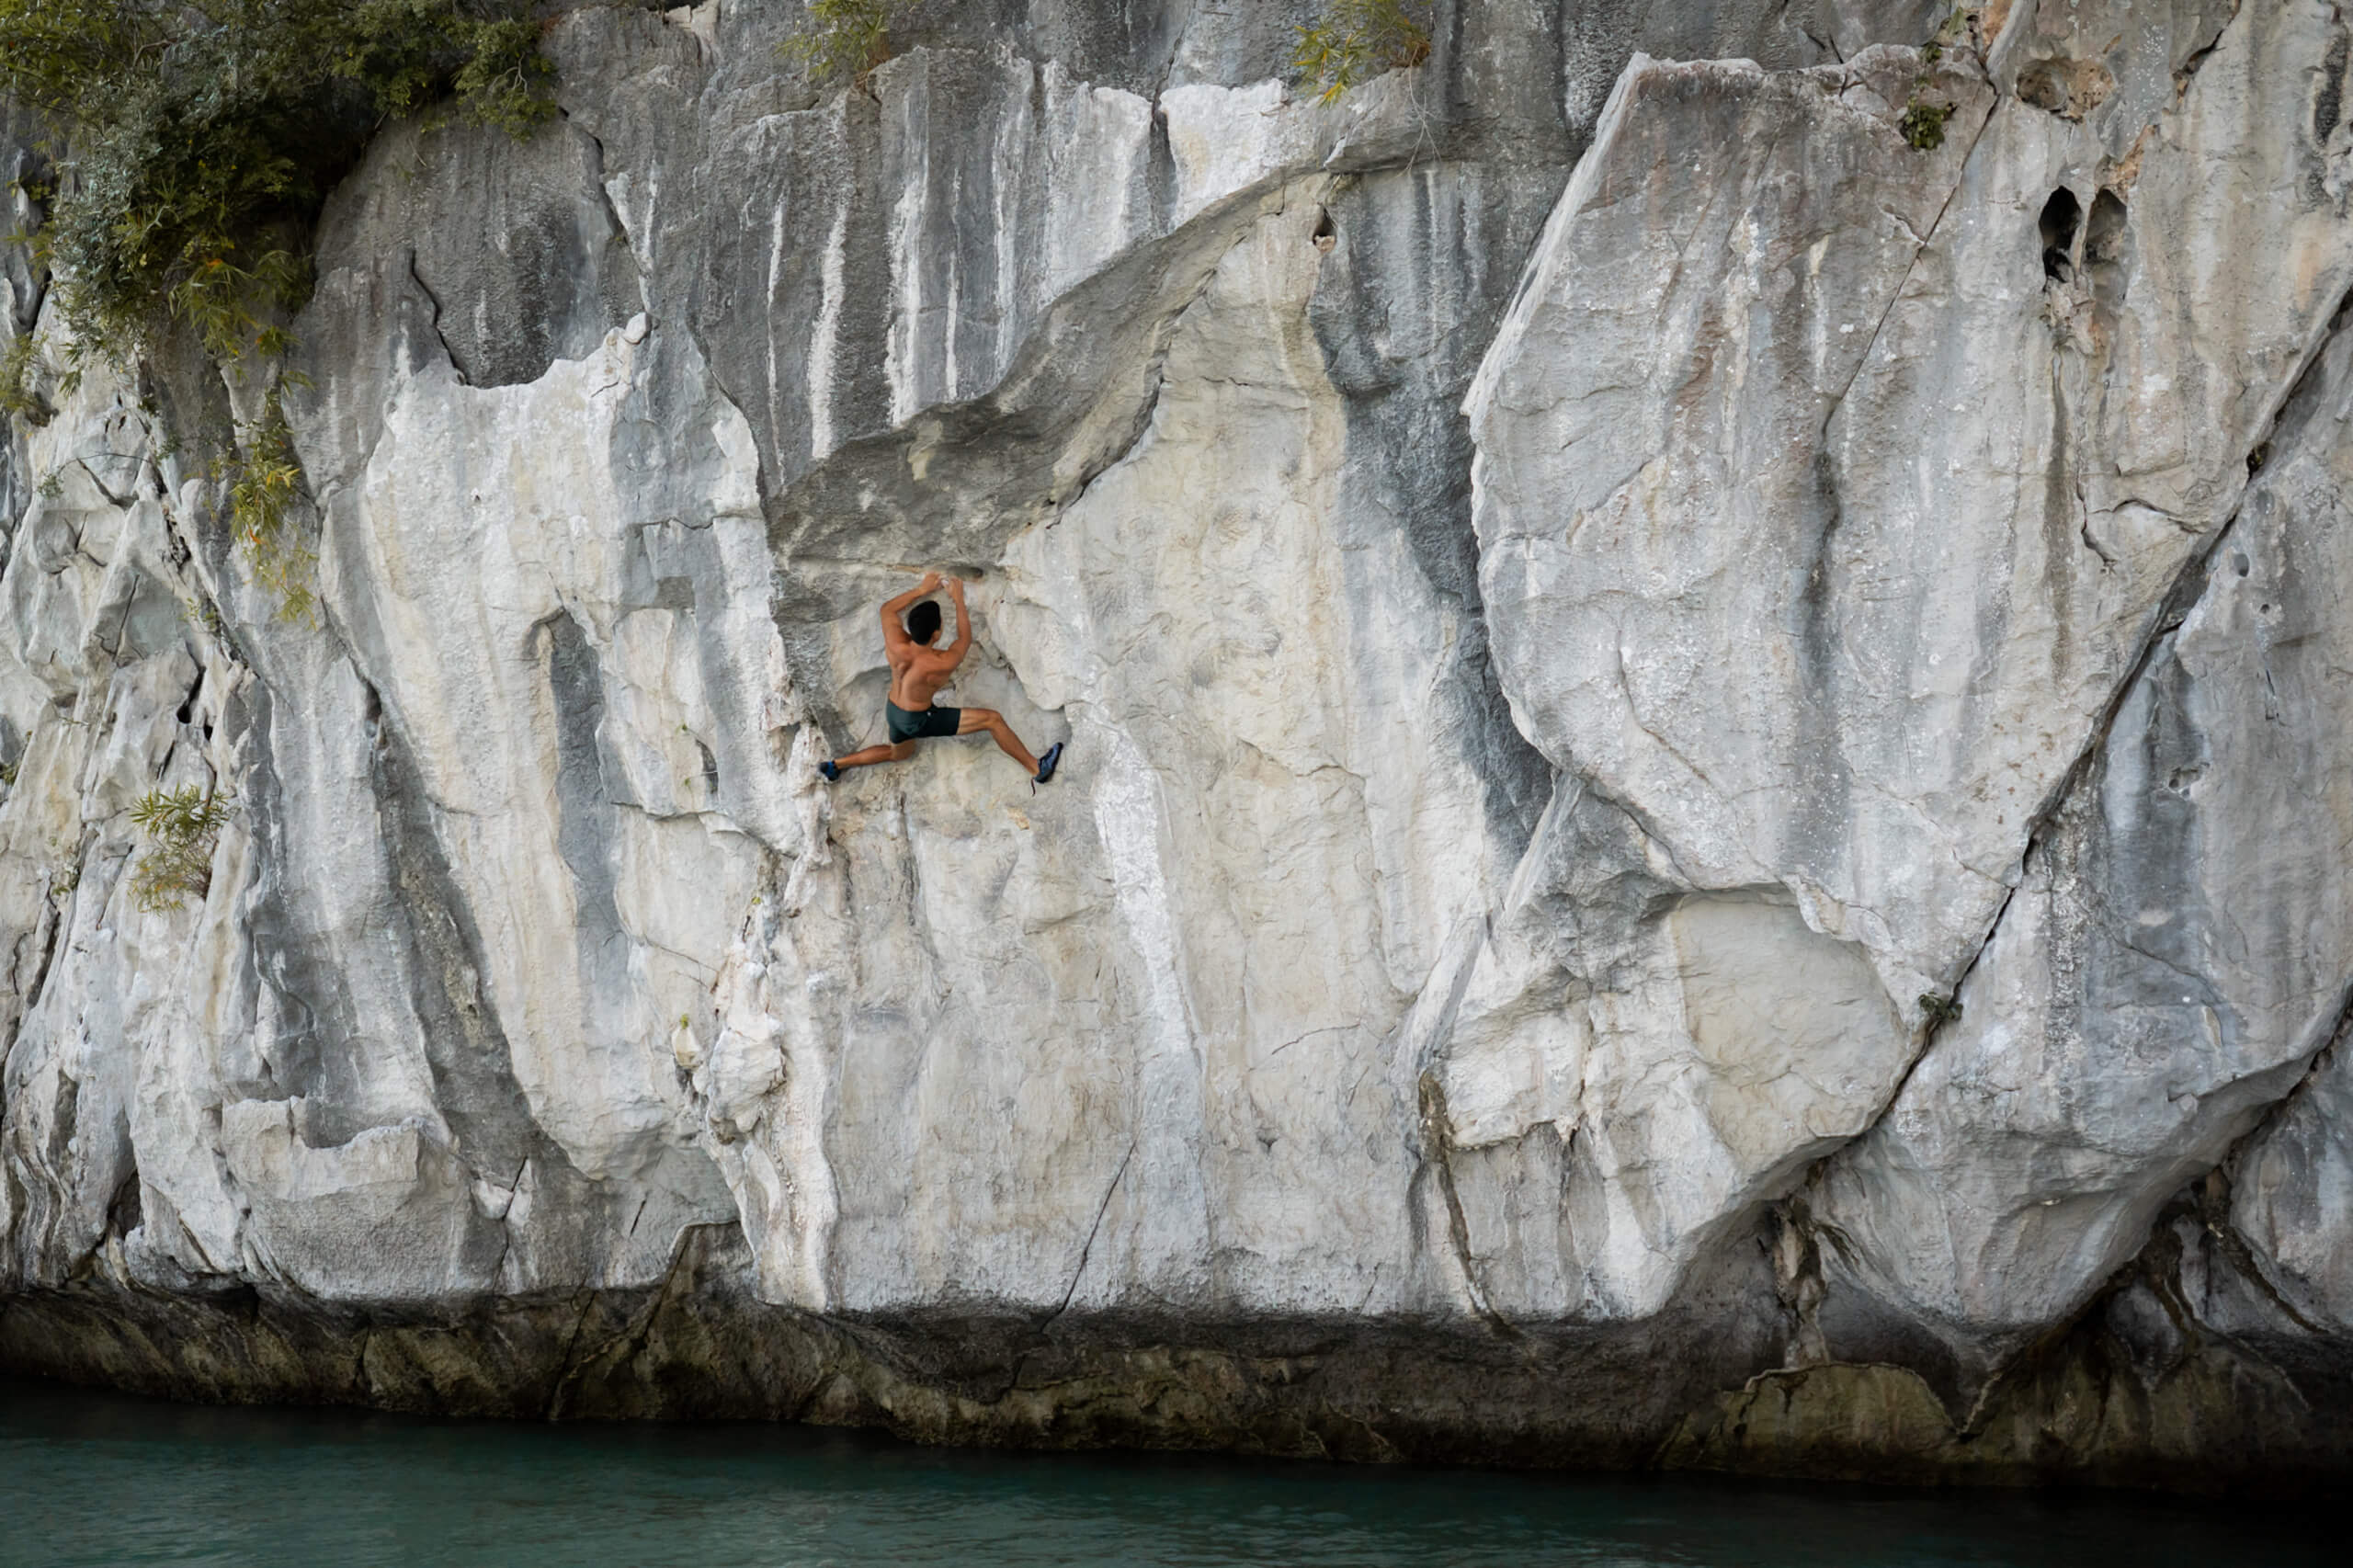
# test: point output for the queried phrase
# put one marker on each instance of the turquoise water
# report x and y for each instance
(93, 1479)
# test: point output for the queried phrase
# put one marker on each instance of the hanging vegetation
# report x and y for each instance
(195, 139)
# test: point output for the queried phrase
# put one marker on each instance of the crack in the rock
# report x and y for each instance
(1633, 712)
(360, 1377)
(1895, 295)
(121, 502)
(1438, 1144)
(1176, 47)
(40, 295)
(613, 213)
(2196, 57)
(564, 1356)
(2180, 597)
(507, 1231)
(2156, 1267)
(1086, 1249)
(434, 321)
(2242, 1255)
(1310, 1034)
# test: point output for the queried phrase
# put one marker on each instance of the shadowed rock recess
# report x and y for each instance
(1709, 813)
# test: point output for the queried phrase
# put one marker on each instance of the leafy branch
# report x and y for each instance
(1356, 40)
(182, 827)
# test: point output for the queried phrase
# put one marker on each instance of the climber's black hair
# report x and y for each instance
(922, 622)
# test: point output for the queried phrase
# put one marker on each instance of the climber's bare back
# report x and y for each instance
(917, 672)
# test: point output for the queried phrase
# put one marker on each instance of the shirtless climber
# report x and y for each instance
(917, 672)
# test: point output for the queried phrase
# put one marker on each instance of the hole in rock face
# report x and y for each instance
(2068, 89)
(123, 1211)
(2062, 215)
(1326, 235)
(2043, 85)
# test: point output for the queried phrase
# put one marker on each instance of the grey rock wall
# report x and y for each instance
(1590, 586)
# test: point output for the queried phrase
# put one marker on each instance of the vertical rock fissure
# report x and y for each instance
(433, 320)
(1086, 1249)
(1439, 1149)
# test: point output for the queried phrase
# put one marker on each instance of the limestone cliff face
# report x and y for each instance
(1590, 586)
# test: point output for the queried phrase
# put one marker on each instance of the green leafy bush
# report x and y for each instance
(182, 826)
(843, 37)
(1923, 125)
(198, 137)
(1358, 40)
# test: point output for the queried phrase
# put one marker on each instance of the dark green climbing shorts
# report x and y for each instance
(932, 723)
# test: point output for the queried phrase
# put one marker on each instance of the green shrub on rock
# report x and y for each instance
(198, 137)
(1923, 125)
(264, 479)
(20, 391)
(181, 826)
(843, 37)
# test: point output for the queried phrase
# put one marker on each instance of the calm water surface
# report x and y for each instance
(93, 1479)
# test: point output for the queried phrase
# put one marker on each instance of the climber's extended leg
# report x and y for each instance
(976, 719)
(867, 756)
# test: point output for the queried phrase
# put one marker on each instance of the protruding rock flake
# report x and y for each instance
(1705, 814)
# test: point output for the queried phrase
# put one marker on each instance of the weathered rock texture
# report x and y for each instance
(1710, 776)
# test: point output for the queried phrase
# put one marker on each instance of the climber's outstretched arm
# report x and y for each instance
(963, 642)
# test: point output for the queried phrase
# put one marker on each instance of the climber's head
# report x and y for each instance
(923, 622)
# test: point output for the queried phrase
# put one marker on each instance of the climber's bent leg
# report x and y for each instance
(976, 719)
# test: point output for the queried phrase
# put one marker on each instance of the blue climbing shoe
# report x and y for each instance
(1048, 763)
(833, 773)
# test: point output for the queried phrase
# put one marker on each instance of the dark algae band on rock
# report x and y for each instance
(2090, 1407)
(1707, 731)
